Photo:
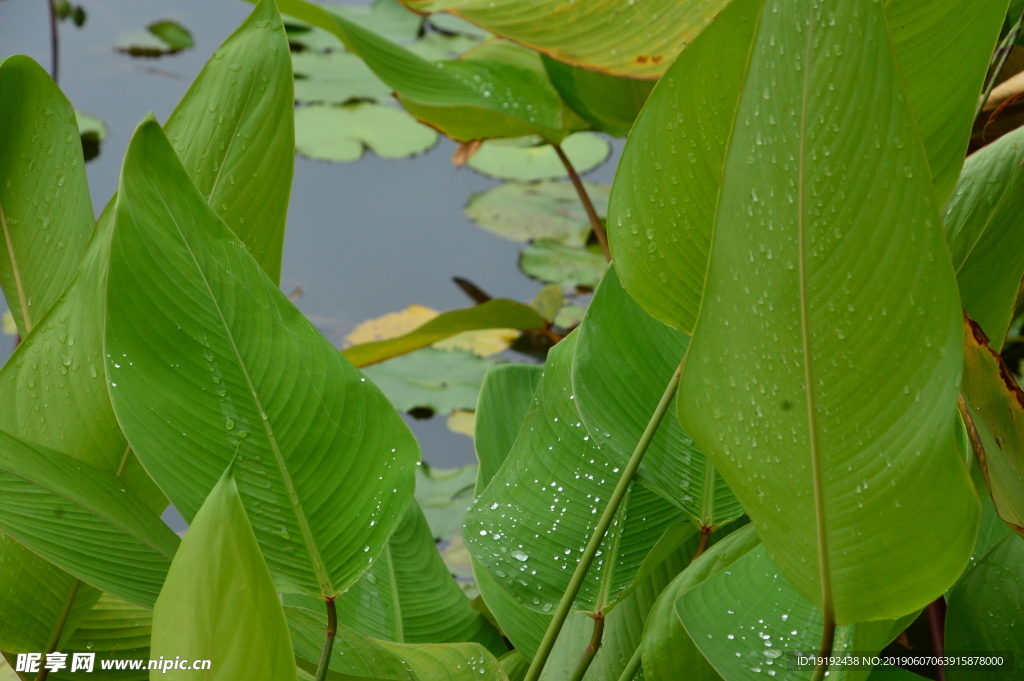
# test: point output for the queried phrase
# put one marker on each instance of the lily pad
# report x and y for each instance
(529, 158)
(546, 210)
(387, 18)
(462, 421)
(159, 38)
(569, 267)
(340, 133)
(303, 37)
(445, 494)
(92, 131)
(335, 78)
(436, 380)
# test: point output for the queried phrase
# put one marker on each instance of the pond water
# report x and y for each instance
(363, 238)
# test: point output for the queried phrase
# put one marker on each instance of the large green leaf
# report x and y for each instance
(467, 99)
(408, 596)
(219, 601)
(608, 103)
(830, 293)
(984, 610)
(505, 397)
(493, 314)
(986, 233)
(624, 361)
(359, 658)
(640, 39)
(324, 464)
(746, 619)
(113, 629)
(529, 525)
(694, 132)
(995, 403)
(45, 211)
(235, 135)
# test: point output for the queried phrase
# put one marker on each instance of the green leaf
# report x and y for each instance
(219, 601)
(45, 211)
(171, 32)
(984, 228)
(627, 40)
(335, 78)
(444, 495)
(563, 265)
(438, 380)
(829, 291)
(494, 314)
(515, 665)
(529, 526)
(242, 156)
(333, 133)
(33, 598)
(505, 397)
(527, 159)
(548, 209)
(83, 520)
(388, 18)
(609, 103)
(408, 596)
(113, 629)
(665, 244)
(190, 310)
(984, 609)
(996, 405)
(357, 658)
(467, 99)
(746, 619)
(623, 351)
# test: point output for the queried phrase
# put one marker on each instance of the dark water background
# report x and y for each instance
(363, 238)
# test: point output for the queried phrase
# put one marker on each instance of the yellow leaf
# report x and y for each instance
(483, 343)
(460, 421)
(391, 325)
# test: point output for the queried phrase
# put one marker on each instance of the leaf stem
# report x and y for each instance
(1001, 55)
(54, 41)
(632, 667)
(576, 582)
(12, 663)
(936, 623)
(595, 221)
(59, 629)
(828, 639)
(702, 545)
(590, 652)
(332, 629)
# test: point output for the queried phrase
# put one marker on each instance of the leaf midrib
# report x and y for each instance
(825, 575)
(326, 588)
(399, 630)
(15, 270)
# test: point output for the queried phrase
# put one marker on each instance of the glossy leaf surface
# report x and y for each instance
(624, 361)
(408, 596)
(323, 462)
(113, 629)
(839, 314)
(530, 524)
(505, 398)
(984, 611)
(633, 40)
(663, 243)
(996, 405)
(219, 602)
(986, 234)
(608, 103)
(45, 211)
(356, 657)
(494, 314)
(234, 132)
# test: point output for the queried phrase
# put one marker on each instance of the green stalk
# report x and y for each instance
(632, 667)
(55, 637)
(576, 582)
(332, 629)
(828, 638)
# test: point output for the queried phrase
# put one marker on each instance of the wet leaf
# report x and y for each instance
(446, 331)
(609, 103)
(548, 209)
(563, 265)
(528, 158)
(505, 397)
(432, 379)
(114, 630)
(341, 133)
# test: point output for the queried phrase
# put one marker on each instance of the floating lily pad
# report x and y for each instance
(159, 38)
(92, 131)
(564, 265)
(340, 133)
(335, 78)
(545, 210)
(528, 158)
(305, 38)
(462, 421)
(436, 380)
(387, 18)
(9, 326)
(445, 494)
